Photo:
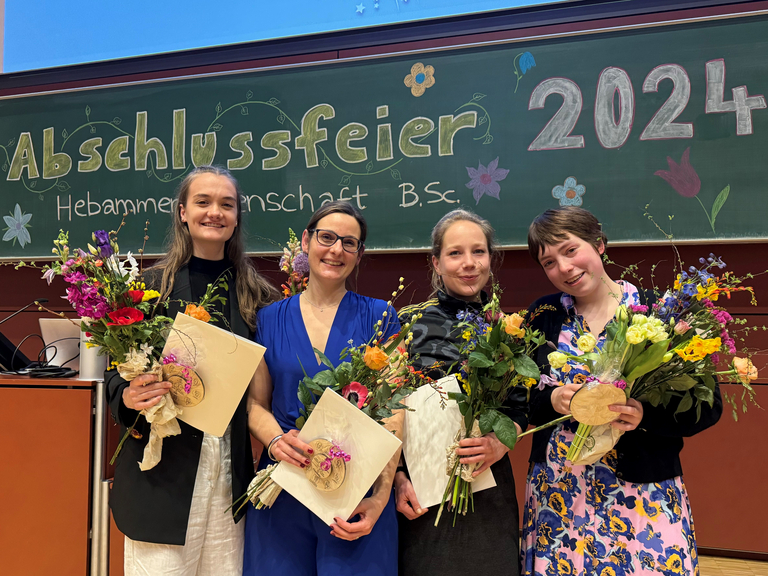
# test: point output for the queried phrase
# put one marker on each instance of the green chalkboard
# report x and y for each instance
(510, 129)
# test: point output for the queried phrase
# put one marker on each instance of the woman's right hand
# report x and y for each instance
(144, 392)
(290, 449)
(405, 498)
(561, 397)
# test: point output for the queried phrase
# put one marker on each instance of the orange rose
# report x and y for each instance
(375, 358)
(745, 370)
(512, 323)
(197, 312)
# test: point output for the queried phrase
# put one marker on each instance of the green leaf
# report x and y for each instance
(458, 396)
(682, 383)
(326, 378)
(686, 402)
(487, 419)
(324, 359)
(526, 367)
(312, 385)
(478, 360)
(495, 338)
(505, 430)
(704, 394)
(305, 396)
(499, 369)
(649, 360)
(719, 202)
(300, 422)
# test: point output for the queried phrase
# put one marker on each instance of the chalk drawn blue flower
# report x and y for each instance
(526, 61)
(17, 224)
(486, 180)
(569, 193)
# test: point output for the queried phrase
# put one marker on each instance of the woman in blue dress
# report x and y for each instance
(288, 539)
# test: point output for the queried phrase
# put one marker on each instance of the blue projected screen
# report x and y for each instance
(44, 34)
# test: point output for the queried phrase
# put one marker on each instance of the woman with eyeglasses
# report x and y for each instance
(288, 539)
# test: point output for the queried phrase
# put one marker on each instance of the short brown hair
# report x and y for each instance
(554, 225)
(339, 207)
(438, 234)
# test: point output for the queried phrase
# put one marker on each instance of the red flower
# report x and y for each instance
(355, 393)
(125, 317)
(136, 295)
(682, 177)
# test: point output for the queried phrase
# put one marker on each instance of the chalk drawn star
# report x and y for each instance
(360, 8)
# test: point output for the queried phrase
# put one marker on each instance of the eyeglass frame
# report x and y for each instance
(360, 245)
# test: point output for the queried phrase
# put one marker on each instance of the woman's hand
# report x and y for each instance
(144, 392)
(405, 498)
(369, 510)
(561, 397)
(290, 449)
(631, 415)
(487, 449)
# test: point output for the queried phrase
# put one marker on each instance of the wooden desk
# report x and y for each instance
(45, 448)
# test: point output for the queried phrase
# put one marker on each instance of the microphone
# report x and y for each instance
(20, 310)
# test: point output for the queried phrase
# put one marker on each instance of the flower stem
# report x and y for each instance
(123, 439)
(547, 425)
(711, 224)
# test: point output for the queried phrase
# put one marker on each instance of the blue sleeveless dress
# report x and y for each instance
(288, 539)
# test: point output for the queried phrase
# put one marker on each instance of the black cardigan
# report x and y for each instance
(651, 452)
(153, 506)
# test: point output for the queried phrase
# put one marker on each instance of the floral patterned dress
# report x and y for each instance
(585, 520)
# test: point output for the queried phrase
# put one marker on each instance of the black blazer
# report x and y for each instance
(651, 452)
(153, 506)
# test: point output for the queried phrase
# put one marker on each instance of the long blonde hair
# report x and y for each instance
(253, 291)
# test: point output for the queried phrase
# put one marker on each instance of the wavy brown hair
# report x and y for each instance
(553, 226)
(253, 291)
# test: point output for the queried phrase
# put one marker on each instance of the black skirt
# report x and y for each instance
(485, 541)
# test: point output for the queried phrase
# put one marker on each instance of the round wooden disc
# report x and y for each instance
(325, 480)
(174, 374)
(590, 404)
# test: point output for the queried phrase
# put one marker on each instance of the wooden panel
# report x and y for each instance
(116, 548)
(45, 442)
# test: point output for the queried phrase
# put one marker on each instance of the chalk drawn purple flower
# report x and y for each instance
(682, 177)
(570, 193)
(486, 180)
(17, 224)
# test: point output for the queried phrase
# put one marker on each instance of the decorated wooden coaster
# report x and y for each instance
(325, 472)
(187, 388)
(590, 403)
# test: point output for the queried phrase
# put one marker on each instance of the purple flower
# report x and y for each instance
(101, 238)
(301, 264)
(49, 274)
(75, 277)
(87, 301)
(638, 308)
(682, 177)
(486, 180)
(722, 317)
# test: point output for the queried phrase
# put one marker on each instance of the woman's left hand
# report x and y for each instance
(486, 449)
(631, 415)
(369, 510)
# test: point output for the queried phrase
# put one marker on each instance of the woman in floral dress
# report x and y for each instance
(627, 513)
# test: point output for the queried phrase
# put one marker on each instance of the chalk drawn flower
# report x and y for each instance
(420, 78)
(682, 177)
(17, 224)
(526, 61)
(486, 180)
(570, 193)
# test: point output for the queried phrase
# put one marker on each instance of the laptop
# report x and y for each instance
(62, 341)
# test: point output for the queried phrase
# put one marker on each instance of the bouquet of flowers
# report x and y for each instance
(375, 377)
(656, 353)
(118, 314)
(497, 349)
(294, 263)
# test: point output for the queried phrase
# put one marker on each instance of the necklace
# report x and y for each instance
(321, 308)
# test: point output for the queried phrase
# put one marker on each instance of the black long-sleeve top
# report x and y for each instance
(651, 452)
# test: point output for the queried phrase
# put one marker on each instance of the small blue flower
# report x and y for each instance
(526, 62)
(17, 224)
(569, 193)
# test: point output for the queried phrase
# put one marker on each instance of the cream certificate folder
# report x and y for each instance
(370, 445)
(429, 430)
(225, 362)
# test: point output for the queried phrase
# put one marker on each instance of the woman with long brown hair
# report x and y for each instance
(174, 515)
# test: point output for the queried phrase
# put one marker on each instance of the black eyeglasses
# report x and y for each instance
(329, 238)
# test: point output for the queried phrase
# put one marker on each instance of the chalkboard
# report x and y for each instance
(668, 117)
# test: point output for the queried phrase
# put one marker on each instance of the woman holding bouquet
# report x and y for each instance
(174, 515)
(486, 539)
(629, 511)
(288, 539)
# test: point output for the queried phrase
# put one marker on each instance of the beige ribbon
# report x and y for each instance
(466, 470)
(161, 417)
(263, 491)
(601, 440)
